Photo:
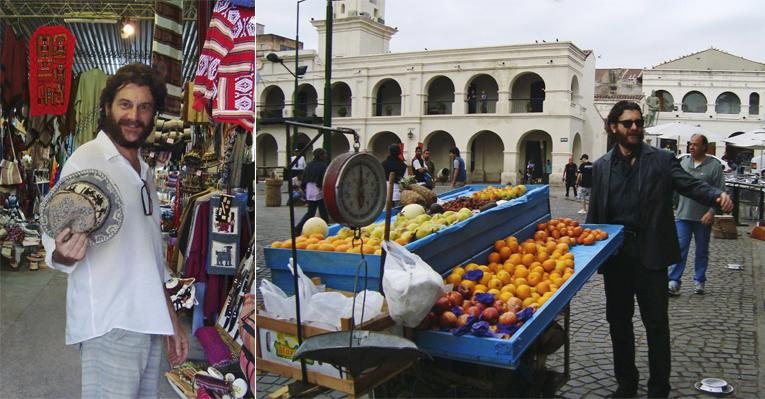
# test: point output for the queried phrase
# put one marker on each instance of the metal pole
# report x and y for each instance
(297, 56)
(328, 82)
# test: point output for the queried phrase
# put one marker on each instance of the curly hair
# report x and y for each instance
(618, 109)
(138, 74)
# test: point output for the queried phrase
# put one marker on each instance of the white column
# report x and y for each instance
(503, 104)
(509, 174)
(459, 106)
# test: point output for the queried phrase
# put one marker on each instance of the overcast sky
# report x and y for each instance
(630, 34)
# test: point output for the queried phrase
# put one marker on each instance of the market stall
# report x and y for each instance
(446, 241)
(56, 60)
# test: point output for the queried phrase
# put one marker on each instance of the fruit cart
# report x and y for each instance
(337, 270)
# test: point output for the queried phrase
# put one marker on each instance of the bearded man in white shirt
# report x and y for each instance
(117, 307)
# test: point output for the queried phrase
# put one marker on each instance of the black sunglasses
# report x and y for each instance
(146, 199)
(628, 123)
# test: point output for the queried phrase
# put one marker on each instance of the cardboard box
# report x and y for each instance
(277, 341)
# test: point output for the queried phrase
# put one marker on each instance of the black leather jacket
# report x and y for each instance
(660, 175)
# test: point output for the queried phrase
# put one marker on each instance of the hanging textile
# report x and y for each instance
(13, 68)
(51, 55)
(167, 52)
(226, 70)
(190, 114)
(225, 232)
(87, 105)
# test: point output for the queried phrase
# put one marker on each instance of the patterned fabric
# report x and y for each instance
(226, 70)
(51, 55)
(167, 51)
(86, 106)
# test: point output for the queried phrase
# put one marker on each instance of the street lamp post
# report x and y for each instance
(327, 144)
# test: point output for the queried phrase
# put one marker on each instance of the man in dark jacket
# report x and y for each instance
(312, 180)
(632, 186)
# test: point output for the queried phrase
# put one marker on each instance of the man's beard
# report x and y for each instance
(623, 139)
(114, 131)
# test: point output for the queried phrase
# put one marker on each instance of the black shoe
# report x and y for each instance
(623, 393)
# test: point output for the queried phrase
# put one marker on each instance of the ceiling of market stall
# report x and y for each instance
(96, 26)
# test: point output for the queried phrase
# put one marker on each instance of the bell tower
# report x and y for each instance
(358, 28)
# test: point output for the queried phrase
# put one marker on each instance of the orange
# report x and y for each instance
(520, 281)
(454, 279)
(317, 236)
(560, 267)
(520, 271)
(499, 244)
(469, 284)
(342, 247)
(369, 249)
(527, 259)
(458, 270)
(529, 247)
(528, 301)
(480, 288)
(514, 258)
(504, 277)
(508, 288)
(486, 278)
(569, 262)
(329, 247)
(534, 278)
(505, 295)
(276, 244)
(523, 291)
(548, 265)
(508, 267)
(543, 287)
(495, 267)
(495, 283)
(494, 291)
(485, 269)
(505, 253)
(512, 244)
(494, 257)
(471, 266)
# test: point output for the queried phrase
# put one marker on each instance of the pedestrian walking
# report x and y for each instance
(695, 219)
(118, 312)
(393, 163)
(313, 176)
(584, 181)
(633, 186)
(458, 174)
(548, 171)
(569, 176)
(431, 168)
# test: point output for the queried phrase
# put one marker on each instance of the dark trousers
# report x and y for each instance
(312, 206)
(570, 185)
(625, 278)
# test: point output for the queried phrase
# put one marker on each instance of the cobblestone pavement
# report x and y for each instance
(713, 335)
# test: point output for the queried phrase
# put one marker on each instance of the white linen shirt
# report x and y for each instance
(119, 284)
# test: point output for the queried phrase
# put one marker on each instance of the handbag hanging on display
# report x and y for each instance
(10, 175)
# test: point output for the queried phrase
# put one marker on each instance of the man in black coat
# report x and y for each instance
(633, 186)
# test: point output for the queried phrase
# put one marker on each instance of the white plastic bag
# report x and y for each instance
(410, 285)
(276, 302)
(372, 306)
(326, 308)
(279, 305)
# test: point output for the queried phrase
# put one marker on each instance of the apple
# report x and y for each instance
(490, 315)
(443, 304)
(462, 319)
(508, 318)
(473, 311)
(455, 298)
(500, 305)
(448, 319)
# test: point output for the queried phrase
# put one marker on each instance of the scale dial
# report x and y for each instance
(355, 189)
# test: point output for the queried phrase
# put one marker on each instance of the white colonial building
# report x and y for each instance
(713, 89)
(501, 105)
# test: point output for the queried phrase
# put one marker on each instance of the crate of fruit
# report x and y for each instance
(433, 237)
(511, 291)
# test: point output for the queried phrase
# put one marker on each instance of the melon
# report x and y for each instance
(315, 225)
(412, 210)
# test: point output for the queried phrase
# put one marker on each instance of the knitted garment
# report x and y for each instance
(51, 55)
(167, 51)
(226, 70)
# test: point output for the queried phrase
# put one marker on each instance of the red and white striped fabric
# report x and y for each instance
(226, 69)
